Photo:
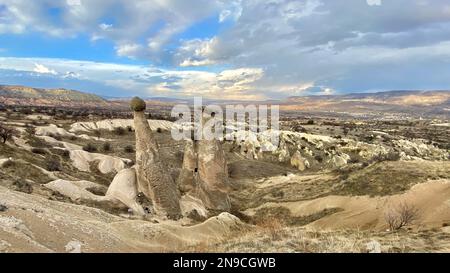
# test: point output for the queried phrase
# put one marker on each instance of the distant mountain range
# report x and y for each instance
(22, 95)
(390, 101)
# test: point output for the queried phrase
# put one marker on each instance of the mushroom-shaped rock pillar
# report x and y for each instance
(154, 180)
(205, 173)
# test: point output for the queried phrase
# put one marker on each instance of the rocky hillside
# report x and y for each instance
(391, 101)
(21, 95)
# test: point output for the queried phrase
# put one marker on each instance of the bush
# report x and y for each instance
(401, 216)
(119, 131)
(310, 122)
(159, 130)
(53, 165)
(62, 152)
(38, 151)
(130, 129)
(90, 148)
(318, 158)
(129, 149)
(6, 133)
(107, 147)
(97, 133)
(55, 136)
(23, 186)
(8, 164)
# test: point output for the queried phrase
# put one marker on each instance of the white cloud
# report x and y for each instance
(146, 81)
(130, 50)
(105, 27)
(351, 45)
(374, 2)
(39, 68)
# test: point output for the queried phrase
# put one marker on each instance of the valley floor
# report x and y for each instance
(336, 200)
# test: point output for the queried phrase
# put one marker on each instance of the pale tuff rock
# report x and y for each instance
(56, 143)
(299, 162)
(52, 129)
(111, 124)
(124, 189)
(338, 161)
(73, 247)
(189, 172)
(213, 176)
(153, 177)
(76, 190)
(417, 148)
(205, 173)
(5, 161)
(106, 164)
(82, 159)
(189, 203)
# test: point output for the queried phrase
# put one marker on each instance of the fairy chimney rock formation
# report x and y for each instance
(205, 173)
(153, 178)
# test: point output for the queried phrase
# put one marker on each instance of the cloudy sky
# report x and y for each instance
(229, 49)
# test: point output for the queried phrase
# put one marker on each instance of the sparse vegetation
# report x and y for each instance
(128, 149)
(53, 165)
(91, 148)
(120, 131)
(39, 151)
(401, 216)
(97, 133)
(106, 147)
(23, 186)
(6, 133)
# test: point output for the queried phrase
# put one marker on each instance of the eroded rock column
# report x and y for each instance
(205, 173)
(153, 177)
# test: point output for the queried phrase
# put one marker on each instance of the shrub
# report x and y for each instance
(159, 130)
(3, 208)
(129, 149)
(6, 133)
(90, 148)
(8, 164)
(107, 147)
(38, 151)
(23, 186)
(318, 158)
(119, 131)
(129, 128)
(62, 152)
(310, 122)
(403, 215)
(97, 133)
(53, 165)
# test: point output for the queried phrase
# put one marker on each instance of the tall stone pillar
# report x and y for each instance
(205, 173)
(154, 180)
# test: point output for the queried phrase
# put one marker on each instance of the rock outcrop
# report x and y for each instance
(153, 178)
(124, 189)
(299, 162)
(205, 173)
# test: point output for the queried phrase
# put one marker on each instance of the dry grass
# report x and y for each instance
(276, 238)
